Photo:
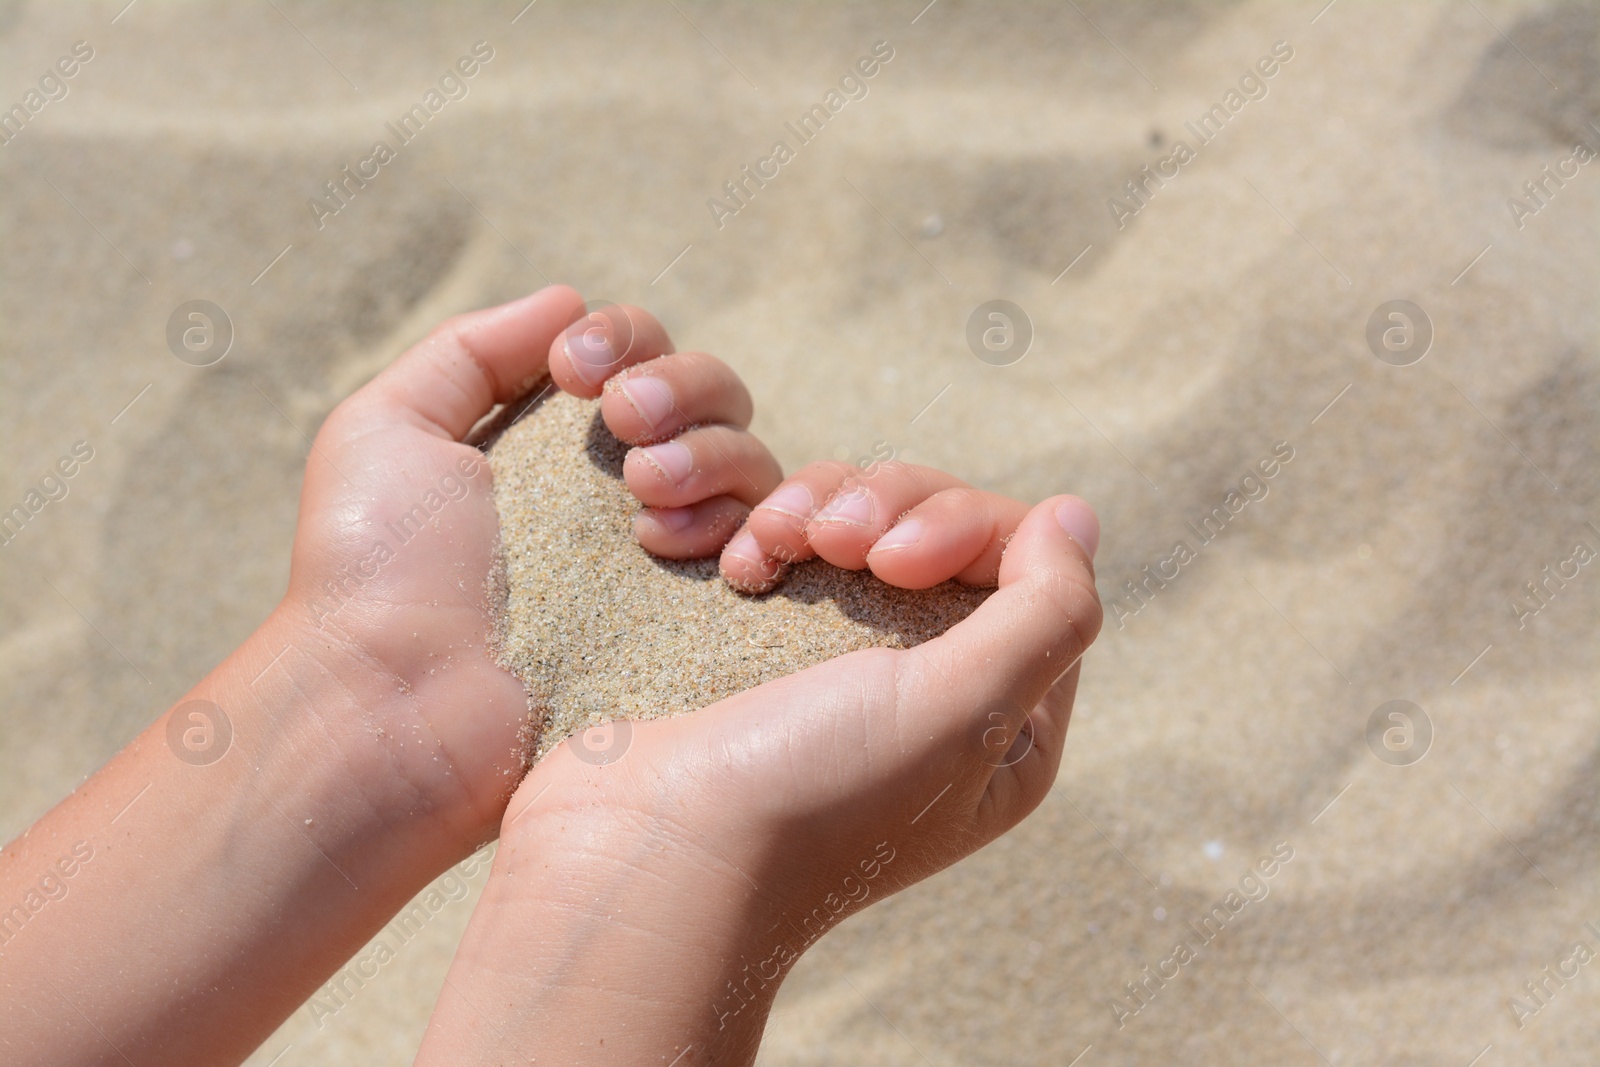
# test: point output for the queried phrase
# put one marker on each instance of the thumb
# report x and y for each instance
(469, 363)
(1006, 655)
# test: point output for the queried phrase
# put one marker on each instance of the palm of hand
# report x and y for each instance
(802, 786)
(389, 569)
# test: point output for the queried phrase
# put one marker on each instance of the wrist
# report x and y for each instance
(347, 749)
(612, 938)
(235, 827)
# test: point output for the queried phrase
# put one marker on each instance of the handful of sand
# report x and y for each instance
(598, 629)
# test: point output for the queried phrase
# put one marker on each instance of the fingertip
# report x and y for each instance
(601, 341)
(636, 407)
(547, 312)
(1042, 619)
(474, 360)
(1075, 516)
(665, 520)
(901, 557)
(746, 567)
(559, 295)
(1047, 552)
(1055, 531)
(778, 523)
(793, 500)
(581, 359)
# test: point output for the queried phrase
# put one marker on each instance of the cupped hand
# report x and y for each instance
(788, 807)
(390, 586)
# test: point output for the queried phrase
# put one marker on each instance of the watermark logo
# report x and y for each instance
(1543, 187)
(999, 743)
(597, 343)
(755, 976)
(999, 332)
(1139, 591)
(1399, 333)
(454, 84)
(1399, 733)
(53, 486)
(51, 886)
(603, 744)
(1253, 888)
(54, 84)
(199, 733)
(739, 191)
(1544, 588)
(199, 333)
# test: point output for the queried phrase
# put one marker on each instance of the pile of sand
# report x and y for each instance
(598, 629)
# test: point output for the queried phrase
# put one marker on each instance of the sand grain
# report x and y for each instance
(598, 629)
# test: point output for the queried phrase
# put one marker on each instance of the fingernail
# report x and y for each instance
(676, 520)
(904, 535)
(744, 547)
(673, 460)
(650, 397)
(852, 507)
(1078, 519)
(793, 500)
(589, 353)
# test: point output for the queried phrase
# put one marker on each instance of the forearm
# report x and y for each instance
(621, 953)
(189, 896)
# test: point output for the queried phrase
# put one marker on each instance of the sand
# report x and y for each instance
(599, 630)
(1229, 713)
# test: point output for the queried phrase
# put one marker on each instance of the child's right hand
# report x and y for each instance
(646, 909)
(912, 526)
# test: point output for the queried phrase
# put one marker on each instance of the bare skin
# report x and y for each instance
(370, 742)
(374, 742)
(647, 910)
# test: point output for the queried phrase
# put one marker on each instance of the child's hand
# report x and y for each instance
(697, 469)
(362, 739)
(646, 910)
(398, 528)
(913, 526)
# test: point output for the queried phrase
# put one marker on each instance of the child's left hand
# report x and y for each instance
(398, 529)
(363, 739)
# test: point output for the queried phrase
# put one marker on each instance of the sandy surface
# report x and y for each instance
(599, 630)
(1222, 712)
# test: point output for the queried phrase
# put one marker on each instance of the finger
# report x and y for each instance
(1029, 754)
(747, 568)
(1047, 724)
(471, 362)
(602, 343)
(1028, 634)
(693, 532)
(778, 523)
(701, 463)
(652, 401)
(845, 528)
(957, 533)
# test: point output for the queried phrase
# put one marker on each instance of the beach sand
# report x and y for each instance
(1225, 707)
(599, 630)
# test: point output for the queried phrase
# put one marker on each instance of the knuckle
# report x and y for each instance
(343, 421)
(703, 363)
(1077, 605)
(963, 498)
(453, 339)
(453, 336)
(824, 472)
